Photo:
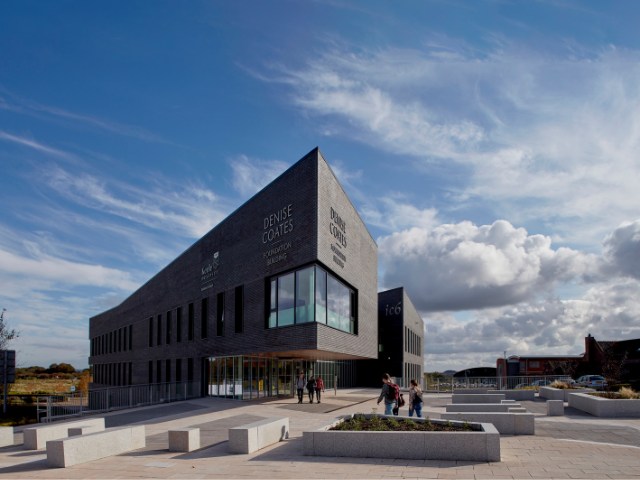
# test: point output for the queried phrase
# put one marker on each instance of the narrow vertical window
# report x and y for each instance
(178, 370)
(150, 371)
(239, 308)
(168, 327)
(151, 331)
(124, 338)
(167, 372)
(159, 371)
(204, 318)
(130, 337)
(179, 324)
(273, 304)
(190, 370)
(159, 339)
(191, 322)
(220, 314)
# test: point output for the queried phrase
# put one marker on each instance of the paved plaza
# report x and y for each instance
(576, 445)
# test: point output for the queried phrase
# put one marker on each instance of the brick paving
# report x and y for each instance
(574, 446)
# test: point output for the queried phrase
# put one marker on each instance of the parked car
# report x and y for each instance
(540, 383)
(592, 381)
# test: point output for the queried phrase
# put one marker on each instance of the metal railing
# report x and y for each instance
(449, 384)
(98, 400)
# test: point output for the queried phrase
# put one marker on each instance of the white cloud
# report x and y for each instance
(463, 266)
(543, 136)
(251, 175)
(188, 211)
(622, 250)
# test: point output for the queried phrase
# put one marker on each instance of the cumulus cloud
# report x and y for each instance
(622, 250)
(463, 266)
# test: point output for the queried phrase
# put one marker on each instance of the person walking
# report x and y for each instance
(389, 394)
(319, 387)
(300, 384)
(311, 388)
(415, 399)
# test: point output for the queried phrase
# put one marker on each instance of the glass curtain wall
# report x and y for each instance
(249, 378)
(312, 294)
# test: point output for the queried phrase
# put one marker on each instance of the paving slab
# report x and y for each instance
(573, 446)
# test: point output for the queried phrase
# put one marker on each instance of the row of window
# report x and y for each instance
(121, 374)
(113, 373)
(311, 294)
(169, 370)
(412, 342)
(119, 340)
(412, 371)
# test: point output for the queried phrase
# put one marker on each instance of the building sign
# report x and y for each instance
(338, 229)
(275, 227)
(209, 271)
(391, 310)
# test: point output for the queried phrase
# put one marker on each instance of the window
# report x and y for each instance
(220, 314)
(168, 327)
(311, 294)
(130, 337)
(167, 372)
(178, 370)
(124, 338)
(159, 340)
(190, 370)
(204, 318)
(179, 324)
(239, 308)
(151, 331)
(191, 321)
(159, 371)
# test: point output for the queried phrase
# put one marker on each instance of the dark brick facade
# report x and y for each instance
(286, 225)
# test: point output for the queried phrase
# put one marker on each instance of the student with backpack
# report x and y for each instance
(390, 393)
(415, 399)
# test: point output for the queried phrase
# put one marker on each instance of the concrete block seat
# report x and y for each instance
(6, 436)
(36, 438)
(477, 397)
(254, 436)
(481, 407)
(184, 439)
(80, 449)
(505, 422)
(555, 407)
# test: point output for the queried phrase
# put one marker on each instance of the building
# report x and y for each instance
(618, 361)
(286, 283)
(400, 341)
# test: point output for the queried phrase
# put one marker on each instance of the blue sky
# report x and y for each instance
(491, 148)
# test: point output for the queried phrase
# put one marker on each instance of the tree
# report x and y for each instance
(6, 334)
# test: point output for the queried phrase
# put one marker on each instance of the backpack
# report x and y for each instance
(311, 384)
(394, 392)
(401, 401)
(417, 399)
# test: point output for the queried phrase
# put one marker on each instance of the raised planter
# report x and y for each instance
(551, 393)
(604, 407)
(482, 444)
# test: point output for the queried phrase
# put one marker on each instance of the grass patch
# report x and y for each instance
(625, 393)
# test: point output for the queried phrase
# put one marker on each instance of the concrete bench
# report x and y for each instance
(112, 441)
(477, 397)
(6, 436)
(84, 430)
(555, 407)
(517, 395)
(517, 410)
(481, 407)
(36, 438)
(505, 423)
(184, 439)
(254, 436)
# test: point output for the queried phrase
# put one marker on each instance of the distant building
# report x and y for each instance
(616, 360)
(400, 341)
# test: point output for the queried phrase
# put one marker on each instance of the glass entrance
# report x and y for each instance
(248, 378)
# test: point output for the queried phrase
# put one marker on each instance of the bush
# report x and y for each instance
(628, 393)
